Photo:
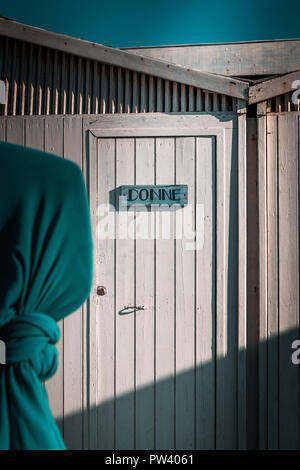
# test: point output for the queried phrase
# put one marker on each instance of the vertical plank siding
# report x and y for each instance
(183, 376)
(43, 81)
(145, 278)
(53, 143)
(272, 293)
(165, 307)
(185, 409)
(252, 285)
(278, 145)
(288, 277)
(188, 333)
(205, 299)
(49, 94)
(73, 334)
(203, 378)
(178, 409)
(172, 370)
(124, 295)
(242, 275)
(62, 136)
(168, 375)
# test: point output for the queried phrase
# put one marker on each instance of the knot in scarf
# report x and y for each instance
(32, 338)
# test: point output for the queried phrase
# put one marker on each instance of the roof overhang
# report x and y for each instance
(233, 59)
(273, 87)
(213, 56)
(109, 55)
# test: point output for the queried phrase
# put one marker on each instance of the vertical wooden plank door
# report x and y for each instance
(162, 377)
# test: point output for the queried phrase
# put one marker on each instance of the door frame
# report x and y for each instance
(182, 124)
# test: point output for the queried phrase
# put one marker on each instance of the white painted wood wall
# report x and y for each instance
(67, 389)
(172, 376)
(279, 150)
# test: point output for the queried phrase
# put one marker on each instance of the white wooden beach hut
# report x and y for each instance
(206, 364)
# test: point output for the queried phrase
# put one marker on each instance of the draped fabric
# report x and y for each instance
(46, 273)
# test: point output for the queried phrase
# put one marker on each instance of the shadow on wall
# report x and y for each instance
(199, 409)
(194, 409)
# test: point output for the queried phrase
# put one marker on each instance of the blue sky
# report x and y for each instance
(161, 22)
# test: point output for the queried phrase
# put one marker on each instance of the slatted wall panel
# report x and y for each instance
(279, 388)
(68, 388)
(166, 377)
(43, 81)
(282, 103)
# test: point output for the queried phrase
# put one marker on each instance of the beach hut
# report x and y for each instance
(186, 339)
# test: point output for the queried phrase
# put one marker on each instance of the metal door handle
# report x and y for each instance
(134, 307)
(130, 309)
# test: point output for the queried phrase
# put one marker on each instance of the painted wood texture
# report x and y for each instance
(278, 144)
(252, 285)
(66, 391)
(172, 367)
(248, 58)
(43, 81)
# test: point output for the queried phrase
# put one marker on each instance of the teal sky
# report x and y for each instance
(161, 22)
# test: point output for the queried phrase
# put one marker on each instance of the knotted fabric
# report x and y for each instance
(45, 274)
(31, 357)
(32, 338)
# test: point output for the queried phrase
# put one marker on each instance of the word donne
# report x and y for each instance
(149, 195)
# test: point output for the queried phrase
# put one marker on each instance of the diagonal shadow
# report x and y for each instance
(113, 430)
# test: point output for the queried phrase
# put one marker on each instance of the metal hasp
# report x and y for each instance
(147, 195)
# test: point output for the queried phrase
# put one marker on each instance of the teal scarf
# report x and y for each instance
(46, 273)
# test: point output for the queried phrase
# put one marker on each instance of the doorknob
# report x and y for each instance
(101, 290)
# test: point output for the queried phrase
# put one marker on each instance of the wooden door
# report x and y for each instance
(169, 376)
